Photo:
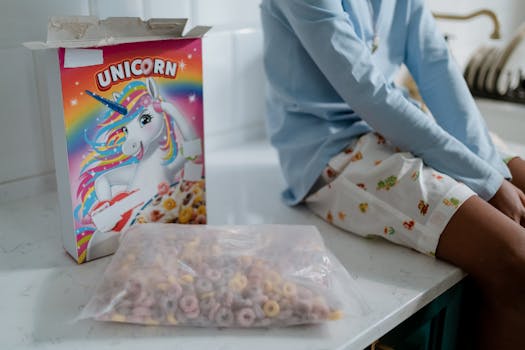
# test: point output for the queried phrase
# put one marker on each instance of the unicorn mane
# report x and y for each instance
(106, 144)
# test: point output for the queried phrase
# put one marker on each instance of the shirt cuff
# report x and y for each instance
(491, 186)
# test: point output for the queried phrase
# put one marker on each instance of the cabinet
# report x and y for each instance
(441, 325)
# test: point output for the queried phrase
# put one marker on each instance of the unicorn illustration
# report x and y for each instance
(135, 148)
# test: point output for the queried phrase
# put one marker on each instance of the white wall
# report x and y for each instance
(26, 162)
(233, 85)
(471, 34)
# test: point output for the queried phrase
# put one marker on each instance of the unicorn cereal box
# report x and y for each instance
(125, 100)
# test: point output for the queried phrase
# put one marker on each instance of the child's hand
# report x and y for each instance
(510, 200)
(517, 169)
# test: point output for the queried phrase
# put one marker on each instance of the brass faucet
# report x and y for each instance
(495, 34)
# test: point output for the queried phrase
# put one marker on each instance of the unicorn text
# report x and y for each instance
(139, 67)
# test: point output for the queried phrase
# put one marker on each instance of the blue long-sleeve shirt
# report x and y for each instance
(326, 88)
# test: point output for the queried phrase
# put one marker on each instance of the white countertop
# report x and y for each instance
(42, 289)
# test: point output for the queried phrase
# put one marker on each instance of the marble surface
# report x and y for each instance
(43, 289)
(506, 119)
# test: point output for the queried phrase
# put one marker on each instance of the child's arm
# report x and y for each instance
(443, 88)
(328, 36)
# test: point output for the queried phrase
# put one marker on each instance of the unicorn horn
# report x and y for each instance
(117, 107)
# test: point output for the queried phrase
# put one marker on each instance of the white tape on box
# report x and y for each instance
(192, 148)
(192, 171)
(74, 58)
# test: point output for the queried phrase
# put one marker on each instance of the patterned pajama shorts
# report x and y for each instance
(374, 189)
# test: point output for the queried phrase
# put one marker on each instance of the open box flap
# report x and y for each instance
(89, 31)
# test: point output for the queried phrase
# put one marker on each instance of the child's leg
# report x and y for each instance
(491, 248)
(373, 190)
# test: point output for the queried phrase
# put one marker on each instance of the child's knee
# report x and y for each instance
(508, 286)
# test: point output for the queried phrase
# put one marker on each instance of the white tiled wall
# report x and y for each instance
(26, 161)
(234, 79)
(26, 20)
(226, 11)
(116, 8)
(167, 8)
(234, 92)
(233, 86)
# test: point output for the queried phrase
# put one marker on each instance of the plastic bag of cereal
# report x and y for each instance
(223, 276)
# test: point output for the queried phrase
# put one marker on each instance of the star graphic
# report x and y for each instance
(74, 102)
(182, 65)
(190, 56)
(192, 98)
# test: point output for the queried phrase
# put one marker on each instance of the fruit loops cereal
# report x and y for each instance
(222, 276)
(182, 203)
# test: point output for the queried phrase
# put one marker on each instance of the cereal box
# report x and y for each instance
(125, 98)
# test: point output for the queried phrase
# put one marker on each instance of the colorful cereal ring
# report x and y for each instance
(335, 315)
(245, 317)
(213, 275)
(224, 317)
(271, 308)
(203, 285)
(188, 303)
(116, 317)
(289, 289)
(238, 282)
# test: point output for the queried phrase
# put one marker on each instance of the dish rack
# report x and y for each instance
(499, 72)
(517, 95)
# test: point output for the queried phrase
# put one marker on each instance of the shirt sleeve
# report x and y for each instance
(326, 33)
(443, 88)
